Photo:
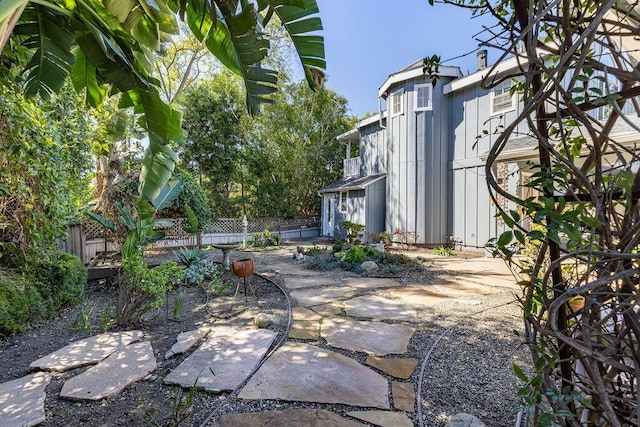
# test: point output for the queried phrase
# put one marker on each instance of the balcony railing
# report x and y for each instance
(351, 166)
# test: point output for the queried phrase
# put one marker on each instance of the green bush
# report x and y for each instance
(192, 195)
(32, 295)
(60, 280)
(20, 302)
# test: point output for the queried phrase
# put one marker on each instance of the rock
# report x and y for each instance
(464, 420)
(419, 295)
(122, 368)
(383, 418)
(404, 397)
(299, 282)
(369, 337)
(263, 321)
(375, 307)
(186, 340)
(399, 368)
(369, 266)
(290, 418)
(369, 282)
(306, 373)
(310, 297)
(305, 330)
(88, 351)
(22, 400)
(231, 354)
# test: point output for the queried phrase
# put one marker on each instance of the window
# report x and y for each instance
(501, 99)
(423, 97)
(343, 201)
(396, 103)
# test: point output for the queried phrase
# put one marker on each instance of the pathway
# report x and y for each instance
(327, 311)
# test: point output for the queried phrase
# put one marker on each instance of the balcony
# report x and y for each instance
(351, 167)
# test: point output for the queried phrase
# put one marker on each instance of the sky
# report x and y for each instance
(367, 40)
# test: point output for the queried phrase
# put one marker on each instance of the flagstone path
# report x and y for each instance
(303, 370)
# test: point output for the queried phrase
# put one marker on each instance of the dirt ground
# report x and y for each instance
(481, 349)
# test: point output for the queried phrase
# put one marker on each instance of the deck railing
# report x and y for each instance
(351, 166)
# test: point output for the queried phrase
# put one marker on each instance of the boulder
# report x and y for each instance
(369, 266)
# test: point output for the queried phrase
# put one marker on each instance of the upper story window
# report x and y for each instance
(501, 99)
(395, 103)
(423, 96)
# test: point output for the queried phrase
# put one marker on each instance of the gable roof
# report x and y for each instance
(352, 183)
(412, 71)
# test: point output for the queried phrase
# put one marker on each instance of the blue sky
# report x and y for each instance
(366, 40)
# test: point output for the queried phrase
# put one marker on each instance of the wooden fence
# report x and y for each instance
(88, 238)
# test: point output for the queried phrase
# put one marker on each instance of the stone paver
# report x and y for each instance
(126, 366)
(88, 351)
(310, 297)
(286, 270)
(290, 418)
(399, 368)
(297, 282)
(464, 420)
(305, 330)
(404, 396)
(335, 308)
(383, 418)
(376, 307)
(186, 340)
(22, 400)
(231, 355)
(302, 372)
(419, 295)
(301, 313)
(369, 282)
(369, 337)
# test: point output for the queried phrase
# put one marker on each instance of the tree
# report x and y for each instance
(107, 46)
(578, 77)
(213, 114)
(293, 151)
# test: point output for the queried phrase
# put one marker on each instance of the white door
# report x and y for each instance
(329, 215)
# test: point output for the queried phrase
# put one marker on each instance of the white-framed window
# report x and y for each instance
(501, 99)
(423, 96)
(395, 103)
(343, 201)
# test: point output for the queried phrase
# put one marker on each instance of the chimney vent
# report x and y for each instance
(482, 59)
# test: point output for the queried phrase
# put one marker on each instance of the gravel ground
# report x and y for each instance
(469, 370)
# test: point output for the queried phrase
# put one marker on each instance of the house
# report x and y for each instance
(421, 165)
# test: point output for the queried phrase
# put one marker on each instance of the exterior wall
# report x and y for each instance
(417, 166)
(376, 200)
(373, 150)
(472, 219)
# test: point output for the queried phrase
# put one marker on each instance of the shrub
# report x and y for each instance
(142, 289)
(60, 280)
(337, 246)
(199, 272)
(443, 251)
(353, 230)
(20, 302)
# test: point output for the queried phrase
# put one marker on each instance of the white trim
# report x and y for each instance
(501, 67)
(402, 76)
(344, 207)
(390, 103)
(429, 105)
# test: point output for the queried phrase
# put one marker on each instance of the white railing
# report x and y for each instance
(351, 166)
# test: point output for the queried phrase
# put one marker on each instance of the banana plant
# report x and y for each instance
(106, 46)
(141, 226)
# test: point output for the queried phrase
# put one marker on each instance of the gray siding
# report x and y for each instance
(417, 167)
(373, 150)
(473, 220)
(376, 207)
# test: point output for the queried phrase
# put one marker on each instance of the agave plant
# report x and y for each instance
(189, 256)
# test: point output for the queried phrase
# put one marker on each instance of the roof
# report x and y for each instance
(474, 78)
(412, 71)
(520, 147)
(354, 134)
(352, 183)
